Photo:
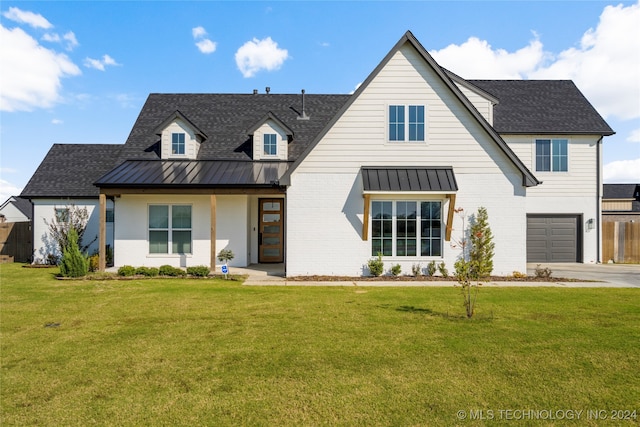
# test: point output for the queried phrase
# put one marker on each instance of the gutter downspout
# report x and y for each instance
(599, 200)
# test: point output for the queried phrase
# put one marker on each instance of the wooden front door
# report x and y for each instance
(271, 234)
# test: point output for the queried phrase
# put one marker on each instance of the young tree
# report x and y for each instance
(480, 249)
(73, 263)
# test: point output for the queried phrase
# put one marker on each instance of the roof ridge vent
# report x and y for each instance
(303, 115)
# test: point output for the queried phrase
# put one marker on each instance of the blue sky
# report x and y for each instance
(79, 72)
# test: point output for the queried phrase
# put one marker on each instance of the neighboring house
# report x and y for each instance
(621, 202)
(15, 209)
(322, 183)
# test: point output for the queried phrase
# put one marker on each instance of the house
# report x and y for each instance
(322, 183)
(15, 209)
(621, 203)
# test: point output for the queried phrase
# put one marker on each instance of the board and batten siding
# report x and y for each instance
(325, 203)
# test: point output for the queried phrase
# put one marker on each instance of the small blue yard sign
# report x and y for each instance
(225, 270)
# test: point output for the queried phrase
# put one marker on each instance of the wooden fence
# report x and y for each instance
(15, 241)
(621, 242)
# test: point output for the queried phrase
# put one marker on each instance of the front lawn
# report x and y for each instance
(213, 352)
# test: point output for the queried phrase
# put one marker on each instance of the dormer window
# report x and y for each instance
(270, 144)
(177, 143)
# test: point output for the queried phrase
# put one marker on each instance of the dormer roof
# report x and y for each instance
(275, 119)
(177, 115)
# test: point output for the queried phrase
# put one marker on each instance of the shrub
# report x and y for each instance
(519, 275)
(126, 270)
(431, 268)
(168, 270)
(376, 266)
(94, 262)
(416, 269)
(482, 246)
(198, 270)
(225, 255)
(396, 270)
(73, 263)
(443, 270)
(543, 273)
(147, 271)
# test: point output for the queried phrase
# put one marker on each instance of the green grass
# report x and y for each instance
(213, 352)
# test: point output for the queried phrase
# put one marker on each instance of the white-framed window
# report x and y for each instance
(169, 229)
(406, 123)
(406, 228)
(270, 144)
(552, 155)
(62, 214)
(177, 143)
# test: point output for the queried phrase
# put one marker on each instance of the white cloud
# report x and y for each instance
(69, 37)
(256, 55)
(24, 17)
(31, 73)
(203, 44)
(56, 122)
(198, 32)
(604, 66)
(125, 100)
(100, 64)
(206, 46)
(8, 189)
(634, 136)
(477, 59)
(622, 171)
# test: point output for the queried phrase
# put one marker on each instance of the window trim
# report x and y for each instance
(418, 228)
(551, 156)
(264, 142)
(183, 142)
(406, 123)
(169, 229)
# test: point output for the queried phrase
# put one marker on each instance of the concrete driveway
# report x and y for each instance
(626, 275)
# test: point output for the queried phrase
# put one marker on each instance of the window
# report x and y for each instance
(552, 155)
(177, 143)
(270, 144)
(169, 228)
(109, 215)
(62, 214)
(400, 128)
(406, 228)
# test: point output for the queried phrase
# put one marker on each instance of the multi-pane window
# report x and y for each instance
(169, 228)
(270, 144)
(406, 228)
(401, 129)
(62, 214)
(552, 155)
(177, 143)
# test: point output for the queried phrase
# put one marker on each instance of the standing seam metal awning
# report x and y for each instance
(423, 179)
(436, 179)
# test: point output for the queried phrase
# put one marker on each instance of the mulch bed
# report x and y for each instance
(424, 279)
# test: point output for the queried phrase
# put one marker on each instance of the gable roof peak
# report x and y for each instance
(178, 115)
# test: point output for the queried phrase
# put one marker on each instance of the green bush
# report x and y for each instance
(396, 270)
(376, 266)
(126, 270)
(198, 270)
(443, 270)
(94, 262)
(73, 263)
(147, 271)
(431, 268)
(225, 255)
(416, 269)
(168, 270)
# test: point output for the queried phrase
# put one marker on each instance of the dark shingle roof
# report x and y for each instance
(226, 120)
(621, 191)
(23, 205)
(542, 107)
(69, 170)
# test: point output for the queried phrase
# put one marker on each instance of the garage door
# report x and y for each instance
(553, 238)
